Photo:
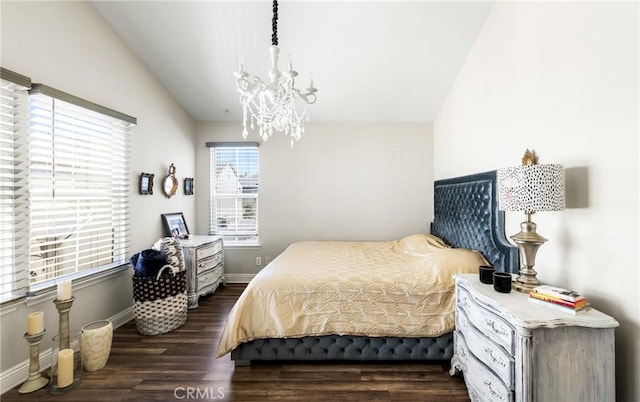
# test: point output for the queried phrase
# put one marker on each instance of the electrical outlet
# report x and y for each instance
(258, 261)
(267, 260)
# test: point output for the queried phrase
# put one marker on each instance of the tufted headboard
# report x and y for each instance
(466, 215)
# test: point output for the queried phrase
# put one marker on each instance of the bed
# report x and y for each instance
(269, 325)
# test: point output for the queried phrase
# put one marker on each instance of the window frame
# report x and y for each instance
(231, 238)
(119, 242)
(14, 238)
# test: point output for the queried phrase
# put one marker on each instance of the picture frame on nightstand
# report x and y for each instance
(175, 225)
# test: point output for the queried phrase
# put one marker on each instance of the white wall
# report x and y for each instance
(562, 79)
(342, 181)
(68, 46)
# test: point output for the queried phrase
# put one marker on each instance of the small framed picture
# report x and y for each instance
(188, 186)
(146, 183)
(175, 225)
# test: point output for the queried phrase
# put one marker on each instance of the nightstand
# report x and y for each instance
(510, 349)
(204, 262)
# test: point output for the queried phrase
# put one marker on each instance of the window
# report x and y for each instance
(234, 192)
(14, 235)
(78, 176)
(64, 187)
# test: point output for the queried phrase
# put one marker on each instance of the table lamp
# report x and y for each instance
(530, 188)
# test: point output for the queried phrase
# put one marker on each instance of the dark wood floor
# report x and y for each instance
(181, 366)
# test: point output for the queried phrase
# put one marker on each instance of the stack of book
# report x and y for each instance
(559, 299)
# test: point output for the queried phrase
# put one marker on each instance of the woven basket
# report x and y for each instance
(160, 303)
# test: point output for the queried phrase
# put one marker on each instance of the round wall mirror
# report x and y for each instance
(170, 183)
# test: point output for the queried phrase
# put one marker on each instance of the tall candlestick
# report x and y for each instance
(35, 381)
(35, 323)
(65, 368)
(63, 307)
(64, 290)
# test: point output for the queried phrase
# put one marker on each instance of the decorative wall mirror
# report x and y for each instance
(170, 183)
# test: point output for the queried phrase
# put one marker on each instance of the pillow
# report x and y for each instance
(420, 244)
(171, 248)
(462, 260)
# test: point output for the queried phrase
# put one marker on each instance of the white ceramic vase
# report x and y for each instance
(96, 344)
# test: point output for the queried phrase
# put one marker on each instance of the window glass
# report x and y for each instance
(234, 193)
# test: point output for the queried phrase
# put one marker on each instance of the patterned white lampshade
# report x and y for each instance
(531, 188)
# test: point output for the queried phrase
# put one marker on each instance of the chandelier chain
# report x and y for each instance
(274, 25)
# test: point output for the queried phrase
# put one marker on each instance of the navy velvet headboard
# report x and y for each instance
(466, 215)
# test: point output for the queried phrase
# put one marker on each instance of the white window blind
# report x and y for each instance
(78, 182)
(234, 192)
(14, 235)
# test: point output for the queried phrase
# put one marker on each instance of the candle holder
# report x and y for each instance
(66, 364)
(63, 307)
(35, 381)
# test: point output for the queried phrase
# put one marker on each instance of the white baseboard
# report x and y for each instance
(122, 317)
(18, 374)
(238, 278)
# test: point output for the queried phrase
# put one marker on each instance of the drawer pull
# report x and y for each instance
(492, 324)
(494, 393)
(501, 362)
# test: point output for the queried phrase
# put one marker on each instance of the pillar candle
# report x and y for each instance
(65, 368)
(64, 290)
(35, 323)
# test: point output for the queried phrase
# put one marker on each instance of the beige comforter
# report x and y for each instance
(398, 288)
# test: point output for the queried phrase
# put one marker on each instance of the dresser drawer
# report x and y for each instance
(209, 278)
(483, 384)
(208, 250)
(486, 321)
(205, 265)
(485, 350)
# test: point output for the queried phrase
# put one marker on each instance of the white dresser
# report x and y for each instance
(510, 349)
(204, 261)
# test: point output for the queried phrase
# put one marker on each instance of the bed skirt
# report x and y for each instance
(351, 348)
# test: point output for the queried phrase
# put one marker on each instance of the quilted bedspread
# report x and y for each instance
(400, 288)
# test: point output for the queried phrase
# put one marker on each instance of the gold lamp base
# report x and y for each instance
(528, 242)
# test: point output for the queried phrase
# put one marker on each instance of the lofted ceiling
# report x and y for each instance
(371, 61)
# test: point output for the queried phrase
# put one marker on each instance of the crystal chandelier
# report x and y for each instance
(271, 105)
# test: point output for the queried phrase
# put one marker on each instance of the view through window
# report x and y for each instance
(234, 192)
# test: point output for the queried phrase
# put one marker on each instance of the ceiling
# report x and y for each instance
(371, 61)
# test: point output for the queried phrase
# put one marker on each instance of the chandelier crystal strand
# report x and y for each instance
(271, 106)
